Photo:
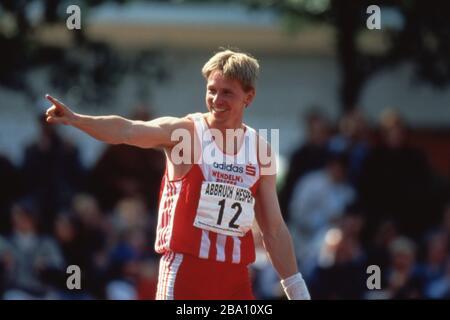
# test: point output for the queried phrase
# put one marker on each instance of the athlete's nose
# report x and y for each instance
(217, 99)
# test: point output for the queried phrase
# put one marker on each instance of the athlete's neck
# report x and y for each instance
(213, 123)
(236, 135)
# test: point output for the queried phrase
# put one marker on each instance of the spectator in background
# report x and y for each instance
(94, 235)
(445, 221)
(5, 263)
(35, 259)
(402, 279)
(378, 247)
(132, 261)
(352, 138)
(395, 181)
(133, 270)
(52, 172)
(340, 269)
(310, 156)
(318, 200)
(440, 288)
(67, 232)
(123, 273)
(437, 245)
(130, 213)
(125, 171)
(435, 257)
(131, 218)
(10, 186)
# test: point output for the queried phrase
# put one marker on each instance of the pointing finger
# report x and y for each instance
(55, 101)
(49, 119)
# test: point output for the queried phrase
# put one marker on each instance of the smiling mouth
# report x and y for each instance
(218, 109)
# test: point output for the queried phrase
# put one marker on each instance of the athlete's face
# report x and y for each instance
(226, 99)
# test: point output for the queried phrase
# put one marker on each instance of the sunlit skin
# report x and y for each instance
(226, 101)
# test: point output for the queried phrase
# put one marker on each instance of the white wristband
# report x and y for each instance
(295, 287)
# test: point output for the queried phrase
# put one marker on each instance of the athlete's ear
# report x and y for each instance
(249, 97)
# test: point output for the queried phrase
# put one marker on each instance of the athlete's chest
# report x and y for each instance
(239, 174)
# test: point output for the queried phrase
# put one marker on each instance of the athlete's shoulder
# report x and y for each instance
(194, 116)
(173, 123)
(266, 155)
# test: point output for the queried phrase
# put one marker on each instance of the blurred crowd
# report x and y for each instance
(353, 196)
(356, 196)
(54, 213)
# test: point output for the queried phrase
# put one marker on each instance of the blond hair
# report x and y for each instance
(234, 65)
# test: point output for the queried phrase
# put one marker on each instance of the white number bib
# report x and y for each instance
(225, 208)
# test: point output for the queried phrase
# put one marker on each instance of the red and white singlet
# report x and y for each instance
(204, 223)
(208, 213)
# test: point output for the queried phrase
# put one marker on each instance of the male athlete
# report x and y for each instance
(213, 188)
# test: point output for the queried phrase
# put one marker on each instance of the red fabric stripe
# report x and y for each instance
(229, 249)
(213, 249)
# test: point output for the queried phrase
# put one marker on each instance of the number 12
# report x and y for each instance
(235, 217)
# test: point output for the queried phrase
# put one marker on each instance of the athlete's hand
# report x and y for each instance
(58, 113)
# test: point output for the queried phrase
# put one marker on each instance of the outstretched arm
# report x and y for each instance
(115, 129)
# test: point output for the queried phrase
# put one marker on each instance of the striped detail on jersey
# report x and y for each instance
(236, 257)
(166, 214)
(220, 247)
(205, 244)
(168, 270)
(179, 203)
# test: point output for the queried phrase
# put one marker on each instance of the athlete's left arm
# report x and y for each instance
(275, 234)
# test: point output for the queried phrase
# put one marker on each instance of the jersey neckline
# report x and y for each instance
(241, 148)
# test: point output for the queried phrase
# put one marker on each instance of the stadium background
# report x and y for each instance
(364, 139)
